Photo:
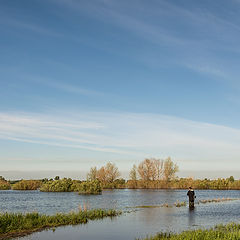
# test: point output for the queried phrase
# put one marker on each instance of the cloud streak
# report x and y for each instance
(198, 32)
(130, 134)
(69, 88)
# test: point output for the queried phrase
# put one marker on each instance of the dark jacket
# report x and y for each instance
(191, 195)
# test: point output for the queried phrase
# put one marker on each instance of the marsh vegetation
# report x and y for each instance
(184, 203)
(17, 224)
(220, 232)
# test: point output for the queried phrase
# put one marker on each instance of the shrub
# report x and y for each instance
(27, 185)
(4, 185)
(90, 187)
(61, 185)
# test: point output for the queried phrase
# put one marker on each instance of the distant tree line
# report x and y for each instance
(150, 173)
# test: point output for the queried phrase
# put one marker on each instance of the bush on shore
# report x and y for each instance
(4, 185)
(27, 185)
(61, 185)
(90, 187)
(69, 185)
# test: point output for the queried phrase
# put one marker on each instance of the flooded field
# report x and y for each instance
(139, 222)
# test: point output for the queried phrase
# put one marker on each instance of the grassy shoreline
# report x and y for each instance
(13, 225)
(18, 224)
(220, 232)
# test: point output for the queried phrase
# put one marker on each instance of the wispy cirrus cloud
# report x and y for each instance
(65, 87)
(73, 89)
(199, 33)
(32, 27)
(204, 68)
(16, 21)
(195, 33)
(153, 20)
(126, 134)
(50, 131)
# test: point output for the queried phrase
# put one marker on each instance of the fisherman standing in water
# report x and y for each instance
(191, 196)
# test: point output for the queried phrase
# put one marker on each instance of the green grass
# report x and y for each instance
(220, 232)
(11, 224)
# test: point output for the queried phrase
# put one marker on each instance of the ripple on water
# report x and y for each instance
(139, 223)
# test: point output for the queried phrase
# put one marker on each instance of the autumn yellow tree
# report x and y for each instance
(158, 167)
(101, 174)
(111, 172)
(133, 173)
(146, 170)
(170, 169)
(92, 175)
(132, 183)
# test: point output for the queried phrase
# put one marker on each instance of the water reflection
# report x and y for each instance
(144, 222)
(191, 217)
(50, 203)
(150, 216)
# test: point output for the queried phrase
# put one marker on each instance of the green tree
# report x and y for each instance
(90, 187)
(231, 179)
(4, 185)
(27, 185)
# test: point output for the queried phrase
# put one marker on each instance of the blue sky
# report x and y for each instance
(86, 82)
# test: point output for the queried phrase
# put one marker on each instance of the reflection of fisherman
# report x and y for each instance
(191, 196)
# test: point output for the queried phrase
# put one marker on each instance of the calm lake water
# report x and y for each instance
(138, 223)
